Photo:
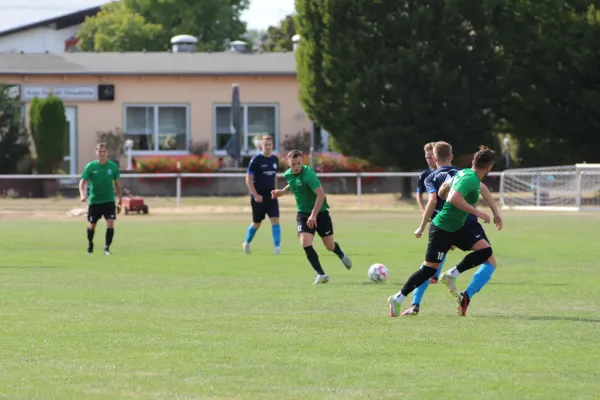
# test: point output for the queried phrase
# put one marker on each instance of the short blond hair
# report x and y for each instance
(266, 137)
(429, 146)
(442, 151)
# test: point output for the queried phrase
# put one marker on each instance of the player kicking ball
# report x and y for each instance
(103, 176)
(313, 215)
(448, 228)
(261, 179)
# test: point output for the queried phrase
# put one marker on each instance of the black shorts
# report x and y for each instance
(106, 210)
(324, 224)
(268, 207)
(440, 241)
(474, 235)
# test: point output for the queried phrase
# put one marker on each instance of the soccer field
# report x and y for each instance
(179, 312)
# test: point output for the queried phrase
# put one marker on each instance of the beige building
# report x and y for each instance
(161, 101)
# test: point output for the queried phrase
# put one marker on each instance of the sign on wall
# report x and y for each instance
(66, 92)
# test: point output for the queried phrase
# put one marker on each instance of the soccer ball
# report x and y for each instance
(378, 273)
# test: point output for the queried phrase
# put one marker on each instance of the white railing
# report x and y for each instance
(178, 177)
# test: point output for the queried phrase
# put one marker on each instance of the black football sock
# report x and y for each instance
(417, 279)
(90, 235)
(313, 258)
(338, 251)
(110, 232)
(474, 259)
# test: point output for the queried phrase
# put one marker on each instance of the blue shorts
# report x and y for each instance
(268, 207)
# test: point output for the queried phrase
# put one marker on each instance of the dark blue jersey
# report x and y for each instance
(434, 182)
(263, 170)
(421, 185)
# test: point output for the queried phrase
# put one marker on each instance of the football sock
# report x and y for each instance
(276, 231)
(338, 252)
(90, 234)
(250, 233)
(481, 277)
(415, 280)
(420, 291)
(313, 258)
(110, 232)
(472, 260)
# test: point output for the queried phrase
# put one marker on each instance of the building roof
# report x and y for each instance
(154, 63)
(18, 16)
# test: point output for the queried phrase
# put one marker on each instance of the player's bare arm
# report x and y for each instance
(487, 196)
(249, 182)
(119, 192)
(444, 190)
(312, 220)
(458, 201)
(82, 194)
(429, 209)
(280, 192)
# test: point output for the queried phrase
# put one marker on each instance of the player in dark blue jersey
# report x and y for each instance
(424, 174)
(261, 179)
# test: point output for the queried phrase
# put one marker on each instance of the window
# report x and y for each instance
(257, 119)
(158, 128)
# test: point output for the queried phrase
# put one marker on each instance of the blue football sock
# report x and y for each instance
(481, 277)
(276, 231)
(250, 233)
(420, 291)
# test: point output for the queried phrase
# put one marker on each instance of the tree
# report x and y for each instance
(14, 143)
(383, 79)
(279, 38)
(116, 28)
(213, 22)
(255, 38)
(49, 129)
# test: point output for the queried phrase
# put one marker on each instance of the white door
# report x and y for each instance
(70, 160)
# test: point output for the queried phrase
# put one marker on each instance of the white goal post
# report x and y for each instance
(562, 188)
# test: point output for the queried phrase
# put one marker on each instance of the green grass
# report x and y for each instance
(178, 312)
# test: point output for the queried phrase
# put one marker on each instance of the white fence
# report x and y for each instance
(578, 189)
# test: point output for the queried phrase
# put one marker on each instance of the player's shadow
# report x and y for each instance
(546, 318)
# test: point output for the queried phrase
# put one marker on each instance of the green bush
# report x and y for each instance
(49, 130)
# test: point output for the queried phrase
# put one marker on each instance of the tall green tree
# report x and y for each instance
(279, 38)
(14, 143)
(383, 79)
(116, 28)
(213, 22)
(49, 129)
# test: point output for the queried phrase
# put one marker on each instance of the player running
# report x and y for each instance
(103, 176)
(261, 179)
(313, 215)
(448, 228)
(428, 148)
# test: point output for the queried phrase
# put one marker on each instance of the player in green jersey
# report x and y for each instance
(102, 175)
(448, 228)
(313, 215)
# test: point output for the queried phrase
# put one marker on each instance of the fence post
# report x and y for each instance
(578, 178)
(178, 184)
(502, 178)
(359, 187)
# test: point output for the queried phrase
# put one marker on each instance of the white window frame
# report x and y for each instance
(156, 106)
(245, 151)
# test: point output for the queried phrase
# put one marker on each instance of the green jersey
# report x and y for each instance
(101, 178)
(451, 218)
(303, 186)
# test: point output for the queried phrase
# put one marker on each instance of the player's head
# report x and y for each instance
(295, 161)
(102, 152)
(429, 154)
(266, 145)
(442, 153)
(483, 161)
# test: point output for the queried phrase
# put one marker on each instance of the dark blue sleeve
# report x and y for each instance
(421, 184)
(429, 186)
(253, 166)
